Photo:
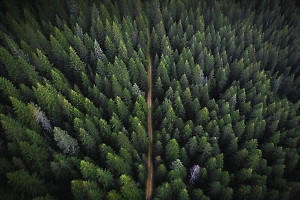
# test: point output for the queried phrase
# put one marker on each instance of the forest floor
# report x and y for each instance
(149, 187)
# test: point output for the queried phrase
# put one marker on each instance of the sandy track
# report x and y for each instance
(149, 186)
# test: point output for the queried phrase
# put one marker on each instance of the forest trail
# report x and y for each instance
(149, 186)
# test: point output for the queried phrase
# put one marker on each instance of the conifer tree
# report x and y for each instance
(118, 165)
(172, 151)
(26, 184)
(65, 142)
(76, 64)
(225, 99)
(129, 189)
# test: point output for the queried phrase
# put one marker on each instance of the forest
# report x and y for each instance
(224, 87)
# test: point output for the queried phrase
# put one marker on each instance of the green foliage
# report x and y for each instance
(46, 97)
(58, 52)
(13, 129)
(164, 191)
(118, 164)
(91, 172)
(113, 194)
(63, 167)
(8, 88)
(35, 156)
(87, 141)
(85, 189)
(178, 166)
(76, 64)
(129, 189)
(97, 50)
(139, 135)
(225, 99)
(172, 151)
(26, 184)
(65, 142)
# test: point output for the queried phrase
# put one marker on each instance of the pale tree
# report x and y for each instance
(97, 50)
(65, 142)
(178, 166)
(41, 118)
(195, 171)
(136, 91)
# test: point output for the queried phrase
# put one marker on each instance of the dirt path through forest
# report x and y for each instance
(149, 186)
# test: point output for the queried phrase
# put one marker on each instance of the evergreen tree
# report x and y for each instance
(164, 191)
(25, 184)
(74, 76)
(65, 142)
(60, 56)
(118, 164)
(92, 172)
(129, 189)
(46, 97)
(85, 189)
(172, 151)
(35, 156)
(110, 48)
(76, 64)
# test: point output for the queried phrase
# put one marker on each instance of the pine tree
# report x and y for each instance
(74, 75)
(46, 97)
(88, 142)
(140, 110)
(60, 56)
(164, 191)
(158, 88)
(92, 172)
(198, 194)
(155, 43)
(169, 119)
(129, 189)
(105, 129)
(26, 184)
(215, 189)
(81, 48)
(113, 194)
(42, 62)
(172, 151)
(117, 164)
(97, 50)
(65, 142)
(176, 185)
(192, 145)
(122, 52)
(76, 64)
(35, 156)
(111, 49)
(179, 108)
(244, 191)
(122, 109)
(59, 81)
(116, 87)
(25, 114)
(11, 65)
(139, 136)
(63, 167)
(86, 189)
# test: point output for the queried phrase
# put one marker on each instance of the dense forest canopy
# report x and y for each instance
(225, 111)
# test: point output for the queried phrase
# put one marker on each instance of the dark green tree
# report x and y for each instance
(25, 184)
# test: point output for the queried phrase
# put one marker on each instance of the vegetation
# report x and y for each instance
(226, 99)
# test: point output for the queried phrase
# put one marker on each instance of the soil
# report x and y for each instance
(149, 186)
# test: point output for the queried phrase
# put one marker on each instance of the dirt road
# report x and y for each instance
(149, 186)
